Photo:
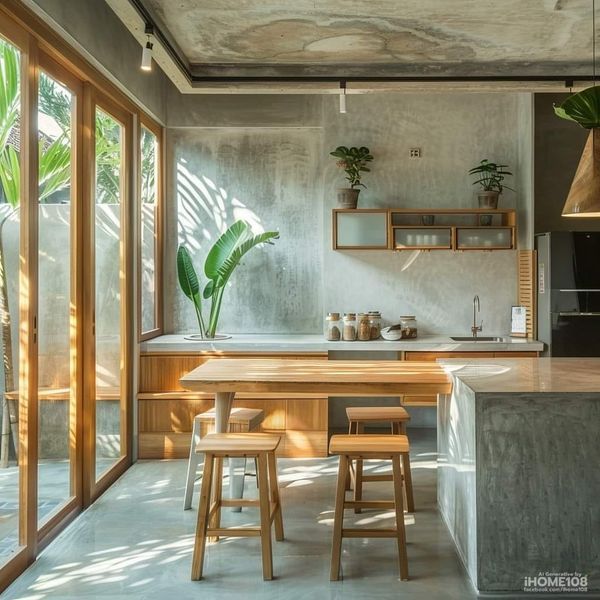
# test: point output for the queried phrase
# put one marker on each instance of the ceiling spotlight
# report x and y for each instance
(343, 97)
(147, 51)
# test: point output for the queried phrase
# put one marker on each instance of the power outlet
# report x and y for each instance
(415, 153)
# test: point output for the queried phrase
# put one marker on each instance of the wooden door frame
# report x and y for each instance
(92, 487)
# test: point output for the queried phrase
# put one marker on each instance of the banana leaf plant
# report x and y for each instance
(219, 265)
(582, 108)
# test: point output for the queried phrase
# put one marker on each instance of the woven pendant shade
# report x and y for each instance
(584, 196)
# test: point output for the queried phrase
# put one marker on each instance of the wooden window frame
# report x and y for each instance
(153, 127)
(41, 46)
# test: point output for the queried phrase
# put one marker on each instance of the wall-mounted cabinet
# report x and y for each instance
(424, 229)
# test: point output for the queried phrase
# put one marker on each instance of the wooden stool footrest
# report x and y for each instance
(381, 504)
(382, 477)
(369, 533)
(233, 532)
(240, 502)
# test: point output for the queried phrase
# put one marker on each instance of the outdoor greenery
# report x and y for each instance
(221, 261)
(490, 176)
(582, 108)
(354, 162)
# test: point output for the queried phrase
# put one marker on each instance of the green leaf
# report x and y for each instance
(582, 108)
(223, 248)
(209, 289)
(10, 176)
(188, 279)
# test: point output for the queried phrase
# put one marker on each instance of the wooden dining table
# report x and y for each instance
(327, 378)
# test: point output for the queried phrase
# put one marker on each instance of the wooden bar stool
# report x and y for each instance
(241, 420)
(356, 447)
(397, 417)
(216, 447)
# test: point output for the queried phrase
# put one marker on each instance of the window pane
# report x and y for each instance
(54, 295)
(10, 104)
(149, 151)
(109, 147)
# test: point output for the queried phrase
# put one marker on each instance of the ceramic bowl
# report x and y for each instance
(392, 333)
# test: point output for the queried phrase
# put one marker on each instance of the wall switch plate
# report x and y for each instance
(415, 153)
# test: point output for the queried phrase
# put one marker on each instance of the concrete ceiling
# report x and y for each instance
(372, 38)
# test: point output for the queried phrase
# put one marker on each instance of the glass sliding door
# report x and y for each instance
(110, 191)
(57, 443)
(10, 225)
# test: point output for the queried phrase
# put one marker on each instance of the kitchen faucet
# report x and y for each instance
(476, 309)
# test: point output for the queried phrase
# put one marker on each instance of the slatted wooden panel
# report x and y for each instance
(527, 278)
(166, 411)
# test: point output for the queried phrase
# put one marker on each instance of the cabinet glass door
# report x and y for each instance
(483, 238)
(361, 229)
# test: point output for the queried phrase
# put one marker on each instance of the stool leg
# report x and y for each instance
(358, 473)
(350, 473)
(265, 517)
(201, 526)
(275, 498)
(400, 531)
(236, 482)
(192, 468)
(338, 519)
(215, 522)
(408, 486)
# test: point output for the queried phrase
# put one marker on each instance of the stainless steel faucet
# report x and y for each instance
(476, 310)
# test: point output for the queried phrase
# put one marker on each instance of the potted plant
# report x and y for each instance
(490, 176)
(584, 196)
(220, 263)
(354, 162)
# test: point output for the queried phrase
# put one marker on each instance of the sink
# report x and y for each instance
(479, 338)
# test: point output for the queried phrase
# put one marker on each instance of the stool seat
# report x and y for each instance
(232, 444)
(377, 413)
(368, 445)
(250, 417)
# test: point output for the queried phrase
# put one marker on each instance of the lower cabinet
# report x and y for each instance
(433, 356)
(166, 411)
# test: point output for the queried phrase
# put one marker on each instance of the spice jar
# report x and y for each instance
(333, 327)
(364, 327)
(409, 326)
(375, 324)
(349, 331)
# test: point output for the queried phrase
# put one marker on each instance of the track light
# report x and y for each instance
(343, 97)
(147, 51)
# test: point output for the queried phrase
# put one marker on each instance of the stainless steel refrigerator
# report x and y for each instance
(568, 292)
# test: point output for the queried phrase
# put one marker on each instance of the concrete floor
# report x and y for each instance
(136, 542)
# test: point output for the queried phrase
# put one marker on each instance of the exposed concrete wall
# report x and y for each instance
(558, 148)
(271, 154)
(102, 38)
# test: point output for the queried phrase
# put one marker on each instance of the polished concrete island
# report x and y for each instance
(518, 483)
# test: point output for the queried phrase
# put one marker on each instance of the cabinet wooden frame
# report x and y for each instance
(334, 221)
(154, 128)
(508, 221)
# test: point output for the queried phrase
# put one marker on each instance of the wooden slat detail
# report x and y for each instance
(527, 278)
(294, 444)
(306, 415)
(161, 372)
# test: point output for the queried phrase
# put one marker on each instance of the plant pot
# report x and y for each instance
(485, 220)
(196, 337)
(347, 197)
(428, 219)
(488, 199)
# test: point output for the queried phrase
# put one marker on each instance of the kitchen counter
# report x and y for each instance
(317, 343)
(518, 483)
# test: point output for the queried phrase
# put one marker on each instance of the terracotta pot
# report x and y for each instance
(488, 199)
(347, 197)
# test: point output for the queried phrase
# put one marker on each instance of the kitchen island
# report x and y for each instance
(518, 477)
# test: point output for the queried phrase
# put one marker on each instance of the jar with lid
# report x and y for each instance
(333, 327)
(363, 327)
(375, 324)
(349, 331)
(409, 326)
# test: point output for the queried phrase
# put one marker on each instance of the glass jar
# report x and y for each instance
(363, 327)
(333, 327)
(349, 331)
(375, 324)
(409, 326)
